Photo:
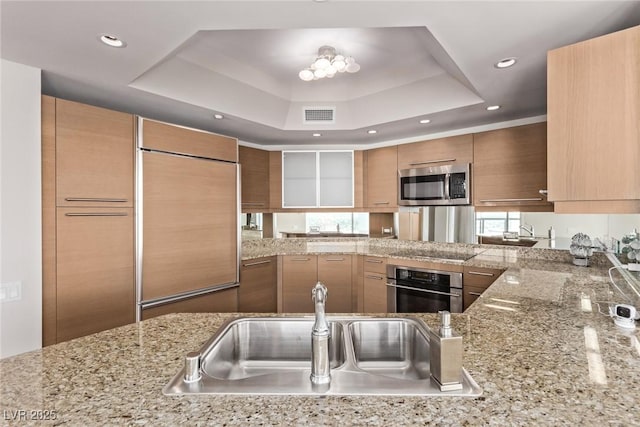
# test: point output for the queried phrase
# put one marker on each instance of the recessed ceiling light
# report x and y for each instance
(111, 40)
(372, 131)
(505, 63)
(317, 134)
(218, 116)
(425, 121)
(493, 107)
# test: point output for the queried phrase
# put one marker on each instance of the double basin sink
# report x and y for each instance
(272, 355)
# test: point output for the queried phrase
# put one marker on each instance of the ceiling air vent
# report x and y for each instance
(318, 115)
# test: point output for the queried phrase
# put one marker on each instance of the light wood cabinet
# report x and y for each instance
(301, 273)
(177, 139)
(375, 285)
(475, 280)
(593, 111)
(95, 270)
(436, 152)
(222, 301)
(510, 168)
(88, 219)
(381, 179)
(299, 276)
(334, 271)
(188, 207)
(94, 156)
(258, 286)
(255, 179)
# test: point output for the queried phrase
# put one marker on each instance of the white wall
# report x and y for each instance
(595, 225)
(20, 212)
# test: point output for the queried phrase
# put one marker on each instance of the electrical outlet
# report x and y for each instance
(11, 291)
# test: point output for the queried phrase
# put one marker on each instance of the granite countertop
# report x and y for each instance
(535, 341)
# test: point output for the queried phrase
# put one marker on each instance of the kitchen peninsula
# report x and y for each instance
(535, 342)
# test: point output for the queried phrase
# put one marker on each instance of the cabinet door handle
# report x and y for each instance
(335, 259)
(94, 199)
(96, 214)
(480, 273)
(373, 261)
(543, 192)
(300, 259)
(530, 199)
(432, 161)
(380, 203)
(368, 276)
(252, 204)
(256, 263)
(475, 294)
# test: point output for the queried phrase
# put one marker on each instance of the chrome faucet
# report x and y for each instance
(320, 369)
(529, 230)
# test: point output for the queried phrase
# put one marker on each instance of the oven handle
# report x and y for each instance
(424, 290)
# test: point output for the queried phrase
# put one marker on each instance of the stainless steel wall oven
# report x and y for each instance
(416, 290)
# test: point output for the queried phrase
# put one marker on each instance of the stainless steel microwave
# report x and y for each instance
(436, 185)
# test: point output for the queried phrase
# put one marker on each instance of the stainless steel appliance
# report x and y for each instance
(452, 224)
(436, 185)
(416, 290)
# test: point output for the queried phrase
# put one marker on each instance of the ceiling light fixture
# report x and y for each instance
(218, 116)
(372, 131)
(493, 107)
(111, 40)
(425, 121)
(505, 63)
(317, 134)
(327, 64)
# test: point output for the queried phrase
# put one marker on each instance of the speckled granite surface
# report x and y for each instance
(529, 342)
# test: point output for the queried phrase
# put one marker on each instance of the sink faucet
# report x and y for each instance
(320, 369)
(529, 230)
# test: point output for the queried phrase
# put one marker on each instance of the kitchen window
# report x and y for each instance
(348, 222)
(496, 223)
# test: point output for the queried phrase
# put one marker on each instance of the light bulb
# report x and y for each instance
(320, 73)
(331, 69)
(340, 65)
(306, 75)
(322, 63)
(350, 60)
(354, 67)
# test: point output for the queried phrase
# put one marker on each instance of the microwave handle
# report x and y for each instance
(447, 178)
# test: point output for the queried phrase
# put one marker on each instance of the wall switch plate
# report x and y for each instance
(11, 291)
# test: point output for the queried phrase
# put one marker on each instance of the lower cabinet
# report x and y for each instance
(299, 276)
(94, 270)
(374, 293)
(222, 301)
(258, 286)
(301, 273)
(334, 271)
(475, 281)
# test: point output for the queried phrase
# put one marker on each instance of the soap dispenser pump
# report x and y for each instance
(445, 355)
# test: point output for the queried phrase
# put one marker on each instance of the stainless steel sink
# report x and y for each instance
(252, 347)
(395, 348)
(272, 355)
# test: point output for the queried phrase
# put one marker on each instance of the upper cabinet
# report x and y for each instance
(510, 168)
(593, 96)
(436, 152)
(94, 156)
(381, 179)
(318, 179)
(255, 179)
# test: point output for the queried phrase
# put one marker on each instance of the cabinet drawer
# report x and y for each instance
(258, 286)
(375, 293)
(223, 301)
(470, 294)
(480, 277)
(375, 264)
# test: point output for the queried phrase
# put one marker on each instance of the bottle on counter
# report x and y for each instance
(445, 355)
(552, 233)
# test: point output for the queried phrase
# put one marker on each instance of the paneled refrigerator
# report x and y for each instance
(187, 219)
